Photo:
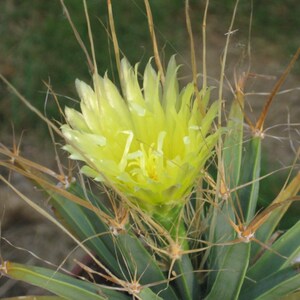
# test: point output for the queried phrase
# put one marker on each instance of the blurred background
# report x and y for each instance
(37, 46)
(37, 43)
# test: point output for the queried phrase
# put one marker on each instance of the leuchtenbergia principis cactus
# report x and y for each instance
(171, 229)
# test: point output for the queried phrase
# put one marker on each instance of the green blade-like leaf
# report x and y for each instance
(35, 298)
(223, 232)
(99, 226)
(264, 233)
(123, 254)
(275, 286)
(186, 282)
(142, 265)
(148, 294)
(288, 245)
(233, 143)
(248, 195)
(87, 226)
(231, 274)
(220, 229)
(60, 284)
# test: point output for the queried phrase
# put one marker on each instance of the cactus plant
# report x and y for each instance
(171, 228)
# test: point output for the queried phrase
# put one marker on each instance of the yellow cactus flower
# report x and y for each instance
(150, 143)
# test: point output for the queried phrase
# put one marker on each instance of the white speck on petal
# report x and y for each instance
(186, 140)
(141, 111)
(194, 127)
(160, 142)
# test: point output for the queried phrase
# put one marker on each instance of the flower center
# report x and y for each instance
(152, 163)
(147, 161)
